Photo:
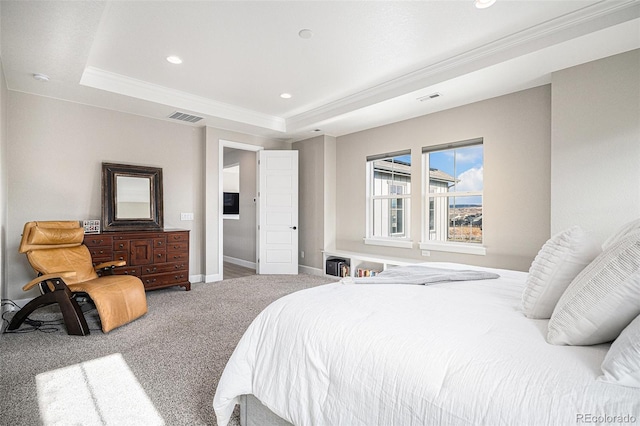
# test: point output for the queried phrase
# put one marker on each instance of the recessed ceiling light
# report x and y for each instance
(174, 60)
(41, 77)
(483, 4)
(285, 95)
(305, 33)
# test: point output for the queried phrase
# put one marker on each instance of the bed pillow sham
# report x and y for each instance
(621, 365)
(625, 230)
(602, 300)
(557, 263)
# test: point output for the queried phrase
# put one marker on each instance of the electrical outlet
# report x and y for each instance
(426, 253)
(186, 216)
(302, 254)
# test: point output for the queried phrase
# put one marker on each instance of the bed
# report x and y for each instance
(451, 353)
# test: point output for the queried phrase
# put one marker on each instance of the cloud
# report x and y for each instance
(471, 180)
(469, 155)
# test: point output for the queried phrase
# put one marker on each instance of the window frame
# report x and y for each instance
(446, 246)
(392, 240)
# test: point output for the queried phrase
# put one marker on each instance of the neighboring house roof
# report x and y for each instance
(383, 166)
(439, 175)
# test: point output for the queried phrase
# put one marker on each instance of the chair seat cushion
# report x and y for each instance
(119, 299)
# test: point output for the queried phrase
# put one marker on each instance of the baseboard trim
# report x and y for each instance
(196, 278)
(240, 262)
(310, 270)
(212, 278)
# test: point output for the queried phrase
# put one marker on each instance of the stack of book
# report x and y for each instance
(365, 272)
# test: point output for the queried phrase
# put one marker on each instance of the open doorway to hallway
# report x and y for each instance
(239, 212)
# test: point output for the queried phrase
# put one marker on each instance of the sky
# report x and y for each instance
(467, 166)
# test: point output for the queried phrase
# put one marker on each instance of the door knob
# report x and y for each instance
(293, 227)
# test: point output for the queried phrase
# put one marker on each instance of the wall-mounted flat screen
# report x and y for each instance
(231, 204)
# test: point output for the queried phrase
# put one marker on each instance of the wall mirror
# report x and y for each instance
(131, 197)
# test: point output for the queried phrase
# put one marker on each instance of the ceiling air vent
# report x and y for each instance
(185, 117)
(429, 97)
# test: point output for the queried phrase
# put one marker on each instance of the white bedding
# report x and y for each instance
(450, 354)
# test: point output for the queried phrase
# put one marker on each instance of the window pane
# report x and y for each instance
(456, 219)
(456, 170)
(390, 217)
(392, 175)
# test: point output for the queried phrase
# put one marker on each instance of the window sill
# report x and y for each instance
(231, 216)
(463, 248)
(389, 242)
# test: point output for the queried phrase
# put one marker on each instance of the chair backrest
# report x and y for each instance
(56, 246)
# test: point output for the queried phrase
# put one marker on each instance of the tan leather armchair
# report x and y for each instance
(56, 252)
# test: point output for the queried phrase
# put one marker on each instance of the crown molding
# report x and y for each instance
(117, 83)
(592, 18)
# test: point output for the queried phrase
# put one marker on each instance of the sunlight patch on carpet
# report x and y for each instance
(102, 391)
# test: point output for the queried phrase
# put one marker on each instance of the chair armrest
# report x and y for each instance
(109, 265)
(47, 277)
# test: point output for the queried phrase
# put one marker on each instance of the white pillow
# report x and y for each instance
(602, 300)
(558, 262)
(625, 230)
(621, 366)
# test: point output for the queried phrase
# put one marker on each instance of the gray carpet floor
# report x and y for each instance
(177, 351)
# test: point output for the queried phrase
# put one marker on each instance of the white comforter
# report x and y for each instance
(446, 354)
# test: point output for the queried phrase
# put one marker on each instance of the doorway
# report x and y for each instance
(239, 221)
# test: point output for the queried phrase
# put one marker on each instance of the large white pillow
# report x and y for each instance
(602, 300)
(557, 263)
(621, 366)
(625, 230)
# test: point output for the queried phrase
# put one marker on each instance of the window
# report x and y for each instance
(453, 202)
(388, 199)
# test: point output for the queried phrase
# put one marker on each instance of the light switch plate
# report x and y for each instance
(186, 216)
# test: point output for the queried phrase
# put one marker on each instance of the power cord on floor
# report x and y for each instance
(29, 325)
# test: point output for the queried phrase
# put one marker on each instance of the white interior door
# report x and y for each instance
(277, 249)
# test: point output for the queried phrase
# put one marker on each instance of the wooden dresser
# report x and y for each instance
(158, 258)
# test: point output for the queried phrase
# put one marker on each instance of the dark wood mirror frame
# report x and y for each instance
(110, 219)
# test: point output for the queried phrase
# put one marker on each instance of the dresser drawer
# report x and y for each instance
(121, 255)
(178, 236)
(163, 280)
(121, 245)
(178, 257)
(101, 254)
(178, 246)
(127, 270)
(163, 268)
(159, 256)
(98, 241)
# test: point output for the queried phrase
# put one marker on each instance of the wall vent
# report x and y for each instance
(185, 117)
(429, 97)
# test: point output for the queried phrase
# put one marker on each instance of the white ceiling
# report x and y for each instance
(365, 66)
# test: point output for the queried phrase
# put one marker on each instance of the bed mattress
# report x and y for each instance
(456, 353)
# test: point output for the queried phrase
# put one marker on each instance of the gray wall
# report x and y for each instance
(517, 137)
(595, 167)
(240, 235)
(54, 161)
